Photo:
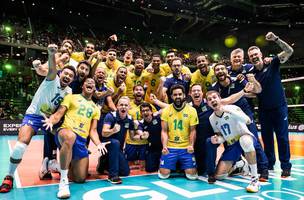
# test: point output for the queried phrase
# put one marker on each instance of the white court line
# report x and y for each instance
(16, 175)
(221, 183)
(245, 180)
(295, 191)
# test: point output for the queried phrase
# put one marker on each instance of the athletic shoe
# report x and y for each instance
(44, 173)
(240, 168)
(264, 176)
(115, 180)
(64, 190)
(7, 184)
(211, 179)
(54, 166)
(254, 185)
(285, 173)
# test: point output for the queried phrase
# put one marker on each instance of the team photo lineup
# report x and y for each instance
(158, 114)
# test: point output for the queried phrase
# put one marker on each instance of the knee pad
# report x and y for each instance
(161, 176)
(246, 142)
(221, 176)
(191, 176)
(17, 153)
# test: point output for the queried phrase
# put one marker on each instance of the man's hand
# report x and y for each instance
(145, 135)
(249, 87)
(250, 77)
(109, 91)
(165, 151)
(113, 37)
(240, 77)
(36, 64)
(190, 149)
(121, 88)
(267, 60)
(102, 148)
(270, 36)
(64, 57)
(153, 98)
(52, 49)
(116, 128)
(47, 123)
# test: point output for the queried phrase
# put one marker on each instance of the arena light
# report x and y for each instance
(260, 41)
(28, 32)
(8, 66)
(164, 52)
(7, 28)
(86, 41)
(215, 56)
(297, 88)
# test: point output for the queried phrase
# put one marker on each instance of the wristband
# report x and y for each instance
(276, 39)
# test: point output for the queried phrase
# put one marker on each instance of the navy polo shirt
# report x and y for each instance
(75, 85)
(272, 95)
(204, 128)
(125, 124)
(244, 69)
(176, 81)
(100, 102)
(154, 129)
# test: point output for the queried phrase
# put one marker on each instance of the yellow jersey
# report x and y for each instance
(204, 81)
(168, 71)
(134, 111)
(79, 115)
(78, 56)
(132, 80)
(110, 69)
(179, 123)
(152, 82)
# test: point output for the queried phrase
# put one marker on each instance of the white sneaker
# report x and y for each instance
(254, 185)
(44, 173)
(54, 166)
(64, 190)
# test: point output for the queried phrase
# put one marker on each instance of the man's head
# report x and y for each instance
(67, 76)
(237, 58)
(67, 46)
(146, 111)
(169, 57)
(202, 63)
(220, 71)
(83, 69)
(177, 95)
(196, 94)
(128, 57)
(139, 66)
(156, 61)
(88, 87)
(89, 49)
(123, 106)
(121, 74)
(100, 75)
(111, 55)
(139, 93)
(176, 66)
(213, 99)
(255, 56)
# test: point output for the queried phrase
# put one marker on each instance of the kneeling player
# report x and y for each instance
(81, 115)
(229, 124)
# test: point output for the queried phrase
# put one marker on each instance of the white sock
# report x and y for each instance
(64, 175)
(254, 170)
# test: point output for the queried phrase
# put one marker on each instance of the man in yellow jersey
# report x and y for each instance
(85, 54)
(118, 83)
(111, 65)
(204, 75)
(178, 135)
(136, 148)
(135, 78)
(128, 59)
(81, 115)
(154, 78)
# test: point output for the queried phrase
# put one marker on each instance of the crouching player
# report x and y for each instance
(81, 115)
(229, 124)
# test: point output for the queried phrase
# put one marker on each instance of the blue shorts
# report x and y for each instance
(34, 121)
(79, 148)
(185, 159)
(135, 152)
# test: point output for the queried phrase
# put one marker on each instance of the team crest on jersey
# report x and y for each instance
(176, 138)
(265, 69)
(170, 115)
(145, 127)
(81, 125)
(154, 122)
(127, 125)
(232, 85)
(185, 115)
(226, 117)
(204, 108)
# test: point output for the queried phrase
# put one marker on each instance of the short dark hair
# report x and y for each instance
(70, 42)
(70, 67)
(87, 63)
(138, 85)
(171, 51)
(86, 78)
(220, 63)
(212, 92)
(175, 87)
(156, 55)
(196, 84)
(112, 49)
(177, 58)
(145, 105)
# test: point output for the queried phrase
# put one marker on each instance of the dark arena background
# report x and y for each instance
(137, 31)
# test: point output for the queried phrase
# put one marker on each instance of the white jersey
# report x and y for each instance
(231, 125)
(48, 97)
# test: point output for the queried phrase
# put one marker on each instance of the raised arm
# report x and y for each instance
(52, 71)
(287, 49)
